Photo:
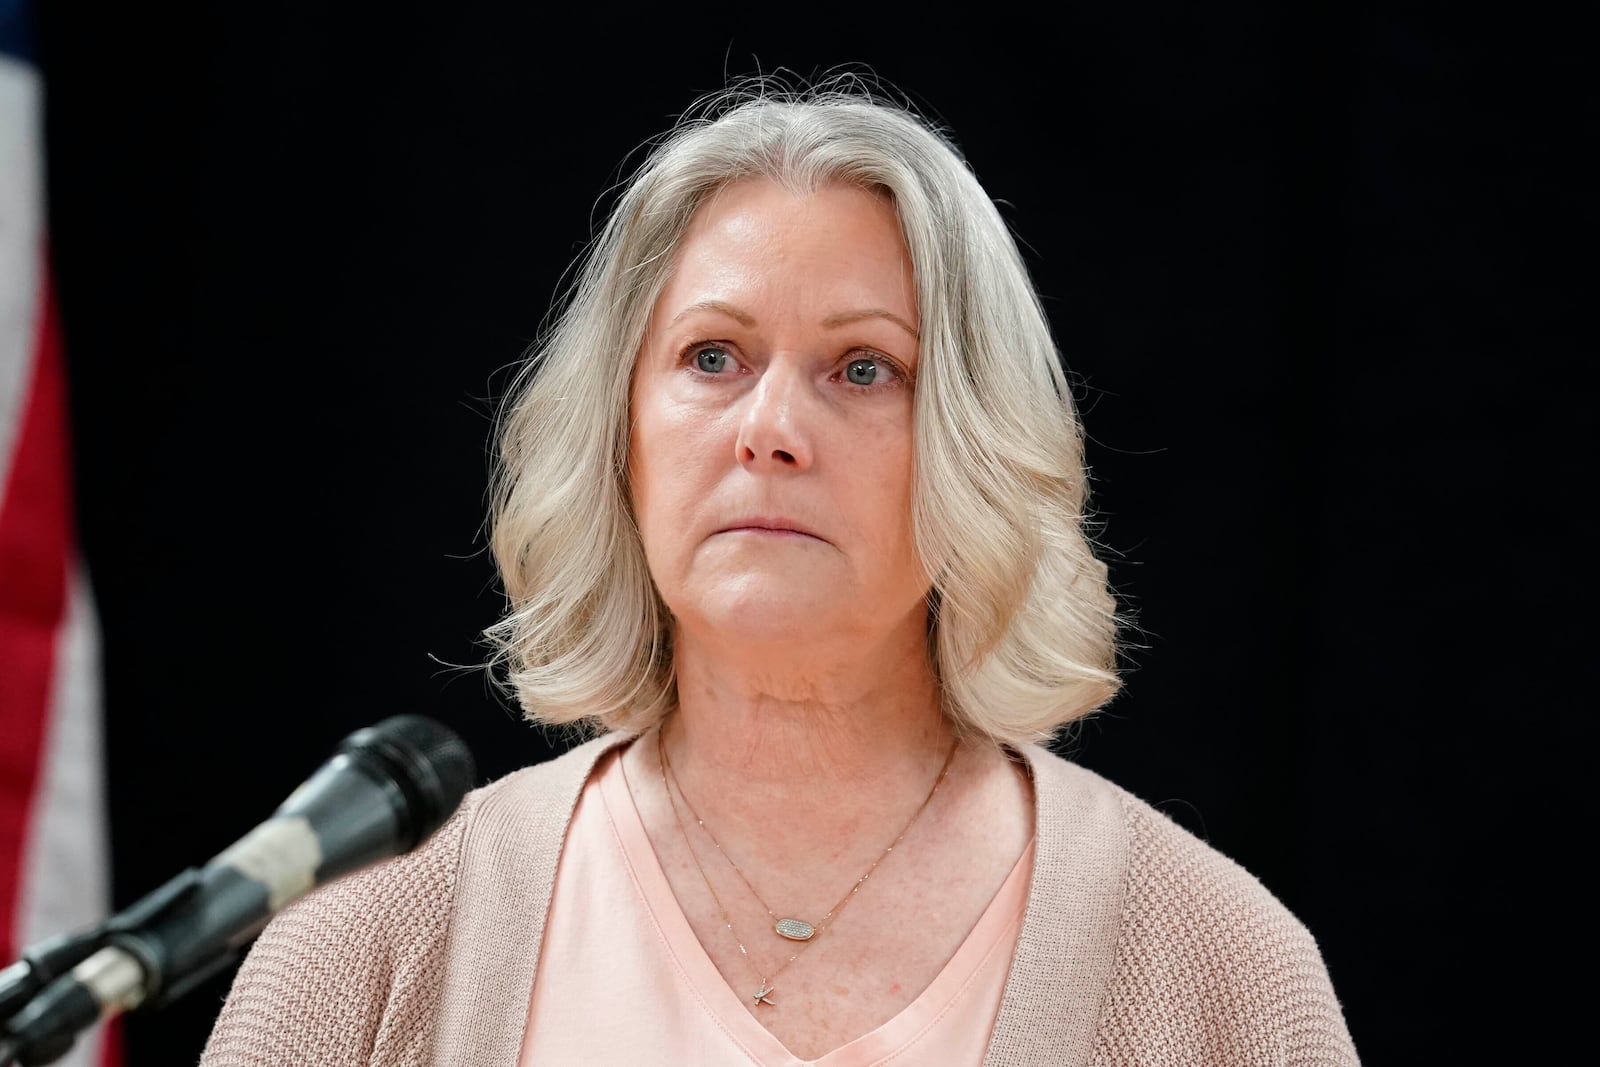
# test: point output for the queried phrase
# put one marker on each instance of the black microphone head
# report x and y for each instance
(432, 768)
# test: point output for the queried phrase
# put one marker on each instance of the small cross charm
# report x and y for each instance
(764, 994)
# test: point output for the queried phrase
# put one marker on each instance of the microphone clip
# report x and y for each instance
(42, 1008)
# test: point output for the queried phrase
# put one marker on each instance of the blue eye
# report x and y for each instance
(711, 360)
(861, 372)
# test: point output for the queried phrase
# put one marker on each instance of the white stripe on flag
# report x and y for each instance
(66, 866)
(20, 222)
(63, 881)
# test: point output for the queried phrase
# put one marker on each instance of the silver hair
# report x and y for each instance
(1022, 624)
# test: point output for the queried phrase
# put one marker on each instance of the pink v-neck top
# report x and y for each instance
(623, 980)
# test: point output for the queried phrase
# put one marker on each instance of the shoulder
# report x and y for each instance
(1204, 957)
(539, 795)
(382, 902)
(1165, 868)
(350, 972)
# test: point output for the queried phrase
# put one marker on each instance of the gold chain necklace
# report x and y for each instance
(792, 929)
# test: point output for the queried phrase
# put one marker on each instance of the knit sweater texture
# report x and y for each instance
(1140, 944)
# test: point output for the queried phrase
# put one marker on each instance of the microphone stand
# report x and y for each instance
(43, 962)
(42, 1009)
(21, 982)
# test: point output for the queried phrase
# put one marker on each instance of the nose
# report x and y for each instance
(775, 431)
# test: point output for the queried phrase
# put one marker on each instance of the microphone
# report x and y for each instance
(387, 788)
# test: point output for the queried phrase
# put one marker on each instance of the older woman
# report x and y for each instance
(792, 505)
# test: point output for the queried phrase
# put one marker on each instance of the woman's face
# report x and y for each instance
(770, 453)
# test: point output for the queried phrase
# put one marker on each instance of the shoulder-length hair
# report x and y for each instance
(1022, 625)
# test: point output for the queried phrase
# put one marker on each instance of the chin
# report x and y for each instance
(785, 621)
(757, 612)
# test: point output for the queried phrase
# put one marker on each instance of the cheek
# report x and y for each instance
(671, 464)
(900, 498)
(882, 490)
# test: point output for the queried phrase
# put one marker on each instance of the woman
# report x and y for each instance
(793, 505)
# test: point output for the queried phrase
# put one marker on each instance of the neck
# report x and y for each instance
(865, 733)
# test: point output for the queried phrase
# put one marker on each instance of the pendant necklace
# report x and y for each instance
(791, 929)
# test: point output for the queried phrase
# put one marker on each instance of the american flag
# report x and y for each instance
(54, 856)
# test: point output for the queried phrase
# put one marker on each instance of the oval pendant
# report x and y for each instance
(795, 929)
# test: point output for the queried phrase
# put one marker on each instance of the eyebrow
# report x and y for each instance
(844, 318)
(714, 305)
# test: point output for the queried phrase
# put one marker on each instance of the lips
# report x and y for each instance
(770, 525)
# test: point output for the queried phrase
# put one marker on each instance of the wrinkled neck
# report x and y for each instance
(822, 740)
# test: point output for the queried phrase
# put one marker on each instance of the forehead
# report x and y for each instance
(757, 240)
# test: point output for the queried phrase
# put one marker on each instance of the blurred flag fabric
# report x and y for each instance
(54, 854)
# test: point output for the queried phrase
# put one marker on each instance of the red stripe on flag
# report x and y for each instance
(111, 1041)
(35, 540)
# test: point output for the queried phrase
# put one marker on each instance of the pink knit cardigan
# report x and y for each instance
(1140, 945)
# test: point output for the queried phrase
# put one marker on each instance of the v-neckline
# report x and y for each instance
(725, 1006)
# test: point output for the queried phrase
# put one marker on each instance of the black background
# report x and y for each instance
(1309, 270)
